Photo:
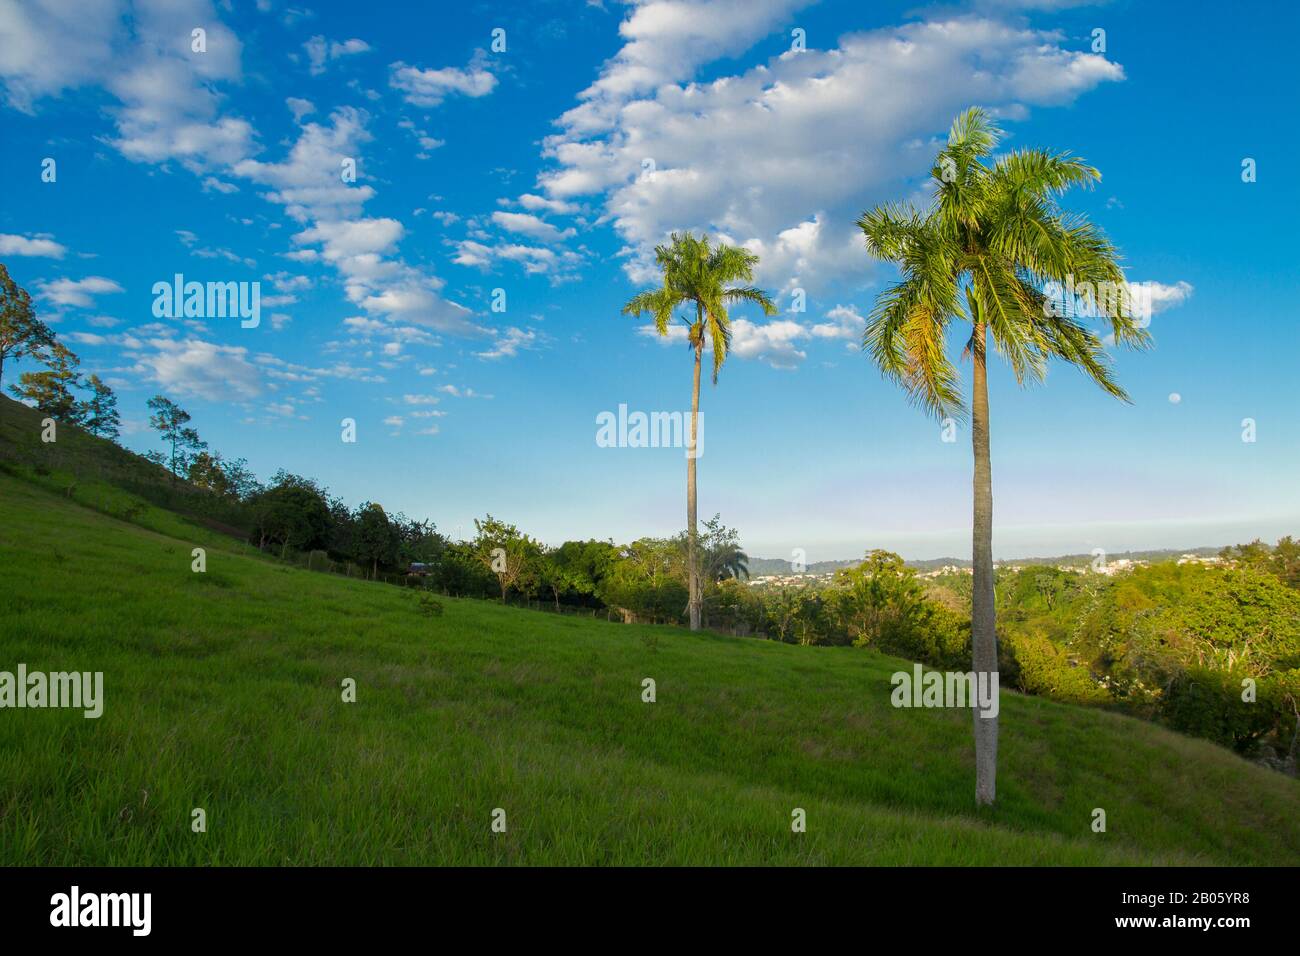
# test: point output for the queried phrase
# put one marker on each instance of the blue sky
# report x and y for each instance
(525, 170)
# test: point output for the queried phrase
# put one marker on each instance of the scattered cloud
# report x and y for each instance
(320, 51)
(858, 124)
(193, 367)
(77, 292)
(428, 88)
(39, 245)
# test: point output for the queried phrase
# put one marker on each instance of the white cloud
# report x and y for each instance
(853, 124)
(428, 88)
(169, 105)
(320, 51)
(47, 46)
(845, 323)
(77, 292)
(457, 392)
(308, 182)
(509, 344)
(167, 98)
(531, 226)
(535, 260)
(534, 203)
(772, 342)
(211, 183)
(299, 107)
(1161, 296)
(309, 185)
(43, 246)
(351, 240)
(193, 367)
(666, 41)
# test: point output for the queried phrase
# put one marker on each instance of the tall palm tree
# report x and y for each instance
(698, 273)
(992, 249)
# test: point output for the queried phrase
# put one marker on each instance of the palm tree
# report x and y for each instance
(700, 274)
(991, 250)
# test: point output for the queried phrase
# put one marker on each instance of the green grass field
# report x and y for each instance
(223, 691)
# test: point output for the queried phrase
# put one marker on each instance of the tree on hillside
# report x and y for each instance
(99, 412)
(557, 576)
(292, 516)
(170, 421)
(376, 540)
(647, 580)
(21, 333)
(697, 273)
(988, 250)
(50, 390)
(207, 471)
(241, 483)
(417, 541)
(504, 551)
(878, 599)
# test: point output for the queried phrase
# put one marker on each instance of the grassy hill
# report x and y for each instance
(223, 691)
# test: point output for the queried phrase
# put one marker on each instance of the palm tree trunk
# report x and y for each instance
(984, 638)
(692, 558)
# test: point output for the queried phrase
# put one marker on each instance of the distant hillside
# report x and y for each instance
(763, 566)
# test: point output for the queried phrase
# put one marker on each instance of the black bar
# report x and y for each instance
(969, 906)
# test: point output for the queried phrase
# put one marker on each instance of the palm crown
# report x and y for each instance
(996, 238)
(700, 273)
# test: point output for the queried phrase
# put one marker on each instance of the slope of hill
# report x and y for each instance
(103, 475)
(222, 691)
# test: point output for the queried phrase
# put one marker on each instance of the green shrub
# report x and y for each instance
(1208, 703)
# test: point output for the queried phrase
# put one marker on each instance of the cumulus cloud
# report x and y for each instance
(844, 322)
(320, 51)
(773, 342)
(47, 47)
(535, 203)
(193, 367)
(535, 260)
(666, 41)
(40, 245)
(362, 249)
(169, 106)
(308, 182)
(299, 107)
(1162, 296)
(531, 226)
(428, 87)
(783, 157)
(77, 292)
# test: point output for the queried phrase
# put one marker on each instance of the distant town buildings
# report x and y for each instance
(1108, 568)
